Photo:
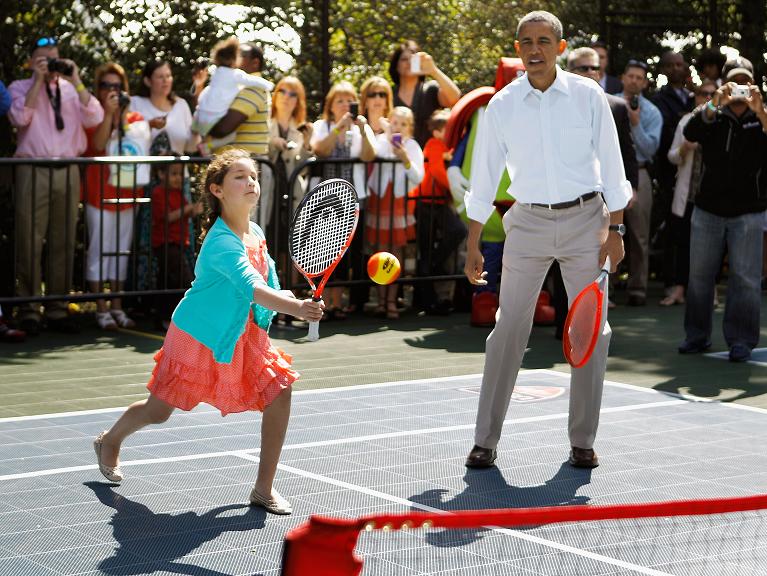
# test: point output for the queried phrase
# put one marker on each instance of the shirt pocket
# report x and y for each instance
(575, 146)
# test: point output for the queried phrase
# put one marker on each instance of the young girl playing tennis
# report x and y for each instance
(217, 350)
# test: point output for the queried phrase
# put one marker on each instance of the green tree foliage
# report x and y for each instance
(465, 37)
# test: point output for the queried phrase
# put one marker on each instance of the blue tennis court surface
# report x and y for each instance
(396, 447)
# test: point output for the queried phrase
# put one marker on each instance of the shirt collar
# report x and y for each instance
(560, 83)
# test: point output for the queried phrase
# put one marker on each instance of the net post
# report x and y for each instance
(322, 547)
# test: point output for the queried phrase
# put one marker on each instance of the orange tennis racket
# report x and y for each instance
(586, 319)
(323, 228)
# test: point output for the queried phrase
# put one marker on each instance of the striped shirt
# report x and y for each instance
(253, 134)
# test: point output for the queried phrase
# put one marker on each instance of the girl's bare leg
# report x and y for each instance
(274, 426)
(137, 416)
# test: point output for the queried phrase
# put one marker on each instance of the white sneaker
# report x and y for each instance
(122, 319)
(105, 321)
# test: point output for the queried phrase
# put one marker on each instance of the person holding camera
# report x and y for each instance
(729, 212)
(646, 126)
(408, 68)
(110, 223)
(50, 111)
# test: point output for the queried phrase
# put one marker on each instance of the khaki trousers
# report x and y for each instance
(46, 209)
(534, 238)
(638, 235)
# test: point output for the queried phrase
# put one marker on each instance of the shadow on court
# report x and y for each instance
(484, 485)
(153, 542)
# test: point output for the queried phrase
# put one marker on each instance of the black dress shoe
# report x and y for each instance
(583, 458)
(636, 300)
(481, 457)
(688, 347)
(30, 325)
(65, 325)
(739, 353)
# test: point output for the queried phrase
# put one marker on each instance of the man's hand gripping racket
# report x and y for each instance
(323, 228)
(586, 320)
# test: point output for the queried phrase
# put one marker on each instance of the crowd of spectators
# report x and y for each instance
(392, 136)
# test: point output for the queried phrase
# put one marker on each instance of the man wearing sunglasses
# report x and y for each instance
(50, 111)
(646, 125)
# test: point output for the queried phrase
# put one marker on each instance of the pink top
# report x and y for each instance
(37, 133)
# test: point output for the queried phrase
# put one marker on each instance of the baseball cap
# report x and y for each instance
(735, 66)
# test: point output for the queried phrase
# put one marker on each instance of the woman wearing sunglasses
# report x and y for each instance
(110, 223)
(289, 134)
(376, 102)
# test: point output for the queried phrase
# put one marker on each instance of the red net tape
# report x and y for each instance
(325, 546)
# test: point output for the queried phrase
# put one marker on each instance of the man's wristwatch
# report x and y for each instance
(619, 228)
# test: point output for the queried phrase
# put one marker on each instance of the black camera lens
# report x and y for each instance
(123, 99)
(634, 102)
(56, 65)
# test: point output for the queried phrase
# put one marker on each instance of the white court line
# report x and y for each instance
(295, 392)
(646, 390)
(334, 442)
(445, 379)
(425, 508)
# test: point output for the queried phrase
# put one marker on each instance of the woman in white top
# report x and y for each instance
(165, 111)
(687, 156)
(376, 99)
(339, 134)
(389, 222)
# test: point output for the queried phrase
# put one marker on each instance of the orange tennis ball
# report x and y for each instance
(383, 268)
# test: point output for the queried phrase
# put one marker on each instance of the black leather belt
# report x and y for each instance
(569, 204)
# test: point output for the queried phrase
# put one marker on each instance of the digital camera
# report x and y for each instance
(123, 99)
(740, 92)
(56, 65)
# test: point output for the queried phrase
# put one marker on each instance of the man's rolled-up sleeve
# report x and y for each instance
(19, 114)
(486, 170)
(616, 189)
(92, 112)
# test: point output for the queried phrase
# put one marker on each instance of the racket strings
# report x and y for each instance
(322, 226)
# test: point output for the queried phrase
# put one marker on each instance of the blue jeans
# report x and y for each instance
(742, 235)
(492, 252)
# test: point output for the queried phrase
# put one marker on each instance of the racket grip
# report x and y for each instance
(314, 332)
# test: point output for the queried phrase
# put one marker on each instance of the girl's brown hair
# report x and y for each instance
(226, 52)
(215, 174)
(294, 84)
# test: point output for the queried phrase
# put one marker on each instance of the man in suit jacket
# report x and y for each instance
(610, 84)
(674, 101)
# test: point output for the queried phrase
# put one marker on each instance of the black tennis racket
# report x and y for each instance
(323, 228)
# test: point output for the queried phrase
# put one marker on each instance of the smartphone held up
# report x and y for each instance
(415, 64)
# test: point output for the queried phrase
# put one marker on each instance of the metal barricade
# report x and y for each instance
(426, 221)
(62, 207)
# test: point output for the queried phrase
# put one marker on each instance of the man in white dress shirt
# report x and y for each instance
(554, 133)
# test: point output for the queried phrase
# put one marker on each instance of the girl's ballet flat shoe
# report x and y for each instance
(275, 504)
(111, 474)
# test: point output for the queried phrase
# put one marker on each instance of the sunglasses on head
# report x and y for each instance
(637, 64)
(43, 42)
(586, 68)
(288, 93)
(376, 94)
(116, 86)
